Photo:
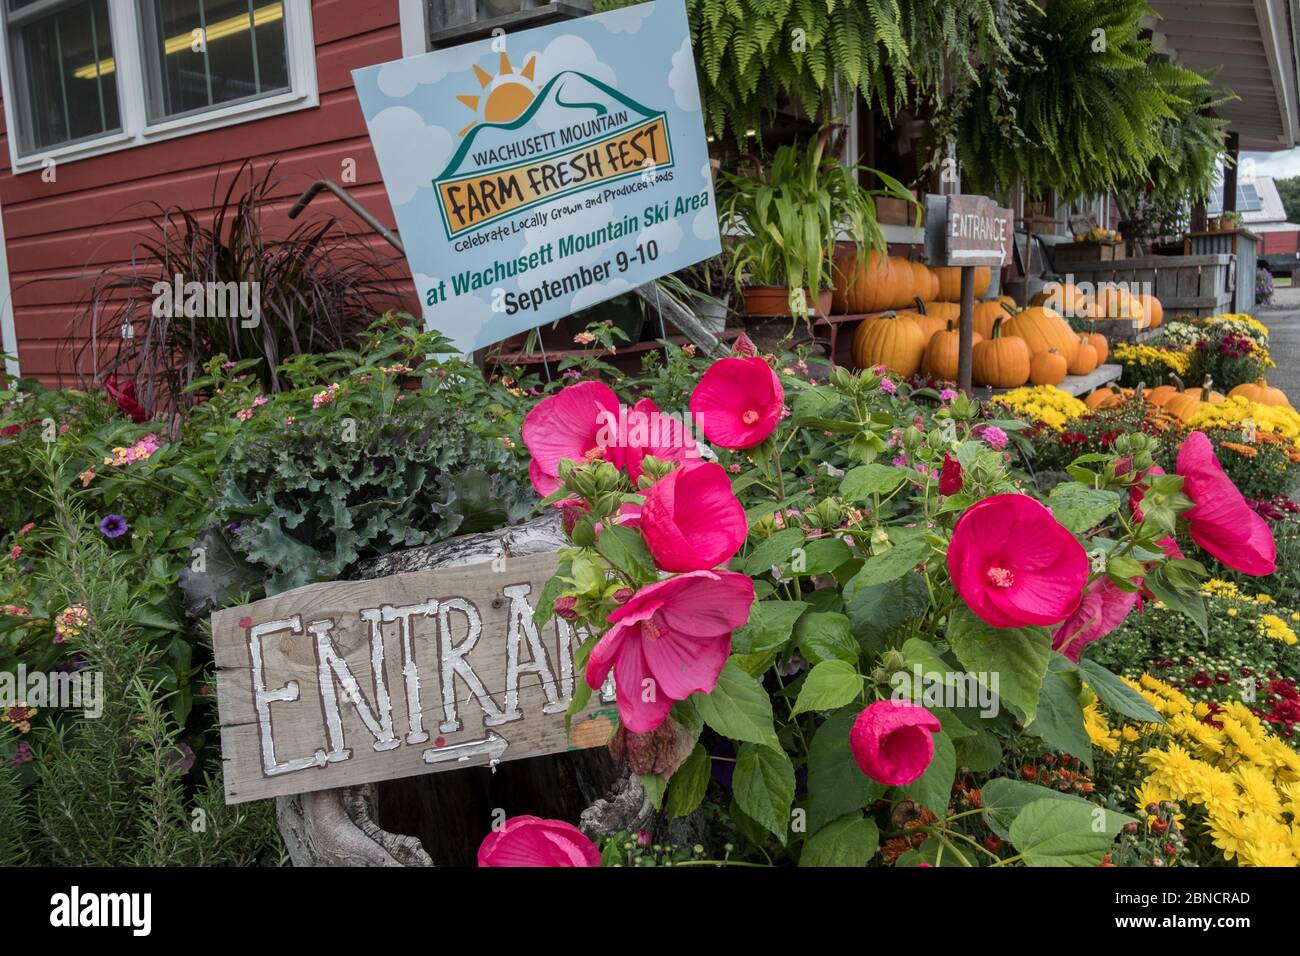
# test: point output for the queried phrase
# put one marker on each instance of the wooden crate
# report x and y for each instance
(895, 212)
(1088, 252)
(1196, 285)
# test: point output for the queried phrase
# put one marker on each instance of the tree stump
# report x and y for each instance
(440, 819)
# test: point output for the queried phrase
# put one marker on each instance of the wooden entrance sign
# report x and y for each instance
(967, 231)
(349, 682)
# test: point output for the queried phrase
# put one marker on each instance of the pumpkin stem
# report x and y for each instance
(996, 332)
(1010, 311)
(920, 306)
(1178, 381)
(1137, 392)
(950, 328)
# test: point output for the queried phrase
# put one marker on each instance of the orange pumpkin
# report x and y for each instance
(1047, 368)
(924, 285)
(950, 282)
(1043, 329)
(863, 284)
(943, 310)
(1098, 342)
(1001, 361)
(988, 312)
(1063, 297)
(1085, 358)
(1155, 312)
(930, 324)
(891, 340)
(1104, 397)
(1115, 302)
(943, 352)
(1261, 392)
(1162, 393)
(1183, 404)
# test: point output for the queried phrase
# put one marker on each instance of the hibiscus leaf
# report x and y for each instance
(821, 556)
(864, 482)
(829, 686)
(824, 636)
(1010, 662)
(876, 610)
(1189, 603)
(892, 564)
(1080, 508)
(1058, 721)
(774, 551)
(851, 840)
(763, 786)
(1004, 797)
(626, 550)
(836, 785)
(688, 785)
(738, 707)
(1117, 695)
(768, 627)
(933, 789)
(654, 786)
(1061, 833)
(555, 585)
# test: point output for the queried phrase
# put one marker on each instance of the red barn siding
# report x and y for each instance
(60, 237)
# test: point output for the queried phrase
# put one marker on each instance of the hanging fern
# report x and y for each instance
(1089, 108)
(751, 53)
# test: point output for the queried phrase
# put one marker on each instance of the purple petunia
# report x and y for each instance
(113, 526)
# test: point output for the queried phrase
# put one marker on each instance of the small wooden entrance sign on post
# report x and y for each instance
(967, 231)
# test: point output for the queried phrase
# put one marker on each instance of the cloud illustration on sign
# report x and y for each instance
(400, 77)
(681, 79)
(628, 19)
(592, 294)
(667, 234)
(424, 147)
(705, 225)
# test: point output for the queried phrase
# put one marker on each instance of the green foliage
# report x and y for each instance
(1092, 109)
(790, 212)
(1289, 191)
(753, 54)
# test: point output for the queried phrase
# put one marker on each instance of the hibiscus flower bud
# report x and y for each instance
(570, 516)
(744, 346)
(950, 479)
(1123, 466)
(912, 437)
(622, 595)
(566, 607)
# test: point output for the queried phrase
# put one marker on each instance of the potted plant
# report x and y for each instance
(785, 219)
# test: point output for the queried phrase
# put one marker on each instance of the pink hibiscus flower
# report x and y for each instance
(648, 431)
(691, 520)
(738, 402)
(569, 424)
(1221, 522)
(669, 640)
(1014, 564)
(893, 741)
(1103, 608)
(532, 841)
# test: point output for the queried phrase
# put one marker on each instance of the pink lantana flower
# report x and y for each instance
(532, 841)
(691, 520)
(1016, 565)
(1221, 522)
(569, 425)
(738, 402)
(893, 741)
(669, 640)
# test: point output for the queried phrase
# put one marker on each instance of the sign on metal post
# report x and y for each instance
(537, 173)
(968, 232)
(337, 684)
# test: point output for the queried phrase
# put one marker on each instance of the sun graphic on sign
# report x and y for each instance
(505, 96)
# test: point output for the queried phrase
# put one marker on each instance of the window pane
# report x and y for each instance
(240, 53)
(66, 77)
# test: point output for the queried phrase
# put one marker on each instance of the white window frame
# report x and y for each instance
(128, 54)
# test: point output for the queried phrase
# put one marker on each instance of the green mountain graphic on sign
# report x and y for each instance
(570, 91)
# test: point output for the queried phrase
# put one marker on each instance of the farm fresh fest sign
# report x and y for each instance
(537, 173)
